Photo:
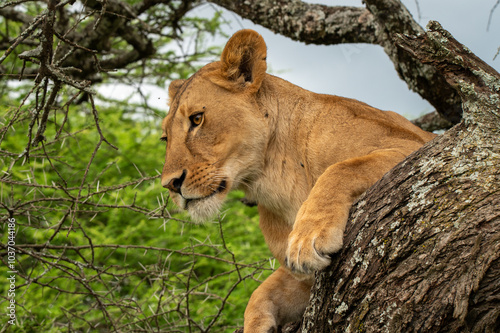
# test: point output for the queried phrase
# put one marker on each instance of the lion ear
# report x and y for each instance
(173, 88)
(244, 59)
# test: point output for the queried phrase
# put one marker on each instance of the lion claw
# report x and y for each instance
(308, 253)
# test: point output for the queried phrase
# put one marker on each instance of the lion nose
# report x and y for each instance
(175, 183)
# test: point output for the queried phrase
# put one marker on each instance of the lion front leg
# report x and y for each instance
(280, 299)
(319, 226)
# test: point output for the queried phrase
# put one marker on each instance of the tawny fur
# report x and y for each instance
(303, 157)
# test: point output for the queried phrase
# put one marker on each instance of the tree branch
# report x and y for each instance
(432, 122)
(421, 78)
(394, 16)
(477, 82)
(308, 23)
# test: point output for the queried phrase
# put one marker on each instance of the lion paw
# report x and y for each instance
(309, 250)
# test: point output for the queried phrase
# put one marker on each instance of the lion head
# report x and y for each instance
(215, 133)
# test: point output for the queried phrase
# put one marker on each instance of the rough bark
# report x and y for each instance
(375, 24)
(422, 247)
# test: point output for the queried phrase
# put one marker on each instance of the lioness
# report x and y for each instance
(302, 157)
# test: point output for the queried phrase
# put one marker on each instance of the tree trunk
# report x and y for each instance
(422, 246)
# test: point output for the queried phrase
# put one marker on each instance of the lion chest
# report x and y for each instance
(282, 193)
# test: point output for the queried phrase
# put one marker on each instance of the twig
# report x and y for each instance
(14, 3)
(491, 15)
(96, 120)
(39, 136)
(104, 4)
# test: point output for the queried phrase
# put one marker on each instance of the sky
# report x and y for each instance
(360, 71)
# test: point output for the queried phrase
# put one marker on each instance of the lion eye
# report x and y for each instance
(163, 138)
(196, 119)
